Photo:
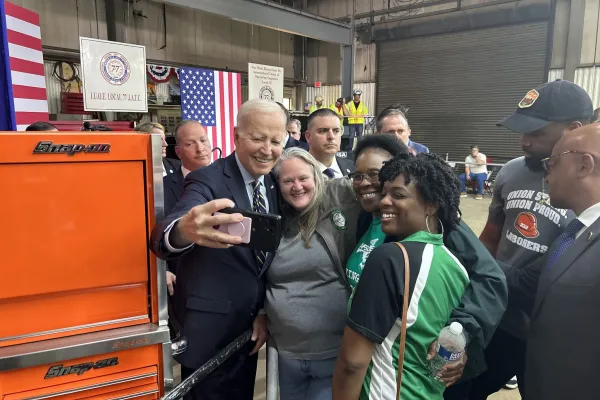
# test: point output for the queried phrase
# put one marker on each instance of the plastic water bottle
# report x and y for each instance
(449, 348)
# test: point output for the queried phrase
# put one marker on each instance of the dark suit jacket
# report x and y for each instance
(485, 299)
(295, 143)
(346, 165)
(219, 292)
(173, 189)
(171, 165)
(562, 355)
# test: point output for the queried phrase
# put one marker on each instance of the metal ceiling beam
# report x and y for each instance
(274, 16)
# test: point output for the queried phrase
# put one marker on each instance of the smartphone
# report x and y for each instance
(265, 230)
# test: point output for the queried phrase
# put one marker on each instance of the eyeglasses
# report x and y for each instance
(547, 163)
(371, 177)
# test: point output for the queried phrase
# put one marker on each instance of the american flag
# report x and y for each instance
(212, 98)
(23, 43)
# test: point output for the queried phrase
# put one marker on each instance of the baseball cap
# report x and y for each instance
(558, 101)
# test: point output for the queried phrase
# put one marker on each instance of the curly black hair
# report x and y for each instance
(391, 144)
(435, 180)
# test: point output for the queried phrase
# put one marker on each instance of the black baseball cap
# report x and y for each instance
(558, 101)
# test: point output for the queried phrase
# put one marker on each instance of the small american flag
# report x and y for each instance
(212, 98)
(27, 93)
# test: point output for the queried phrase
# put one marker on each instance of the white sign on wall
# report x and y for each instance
(113, 75)
(265, 82)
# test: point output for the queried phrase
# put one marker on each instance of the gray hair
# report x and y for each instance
(390, 112)
(308, 218)
(259, 106)
(181, 125)
(296, 122)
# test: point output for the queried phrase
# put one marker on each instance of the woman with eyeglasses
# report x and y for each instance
(420, 199)
(485, 299)
(370, 155)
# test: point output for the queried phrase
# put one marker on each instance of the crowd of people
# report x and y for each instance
(331, 296)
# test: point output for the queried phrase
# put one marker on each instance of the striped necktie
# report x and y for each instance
(565, 241)
(258, 205)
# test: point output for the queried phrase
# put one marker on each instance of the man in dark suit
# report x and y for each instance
(324, 136)
(393, 121)
(194, 150)
(562, 360)
(221, 286)
(294, 128)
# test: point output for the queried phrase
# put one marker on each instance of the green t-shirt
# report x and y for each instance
(368, 242)
(376, 311)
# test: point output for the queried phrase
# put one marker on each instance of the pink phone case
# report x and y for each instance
(242, 229)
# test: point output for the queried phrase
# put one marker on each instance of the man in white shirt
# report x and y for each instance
(475, 169)
(324, 137)
(561, 291)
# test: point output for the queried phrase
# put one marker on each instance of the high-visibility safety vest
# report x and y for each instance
(338, 111)
(353, 110)
(314, 108)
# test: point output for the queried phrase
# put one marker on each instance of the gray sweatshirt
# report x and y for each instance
(306, 300)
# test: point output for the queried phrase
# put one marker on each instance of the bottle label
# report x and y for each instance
(448, 355)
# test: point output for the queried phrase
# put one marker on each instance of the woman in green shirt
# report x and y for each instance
(370, 154)
(420, 201)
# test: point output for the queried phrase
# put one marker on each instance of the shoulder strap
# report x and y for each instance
(405, 298)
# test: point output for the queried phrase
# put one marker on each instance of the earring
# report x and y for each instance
(441, 225)
(427, 222)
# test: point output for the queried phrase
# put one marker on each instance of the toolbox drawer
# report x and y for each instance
(128, 374)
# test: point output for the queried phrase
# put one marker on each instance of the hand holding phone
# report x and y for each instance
(197, 226)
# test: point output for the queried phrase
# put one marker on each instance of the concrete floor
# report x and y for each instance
(475, 214)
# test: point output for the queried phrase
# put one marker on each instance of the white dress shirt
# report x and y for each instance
(248, 180)
(184, 171)
(337, 172)
(588, 217)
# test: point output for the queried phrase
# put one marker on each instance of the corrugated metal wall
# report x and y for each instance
(331, 93)
(588, 78)
(459, 85)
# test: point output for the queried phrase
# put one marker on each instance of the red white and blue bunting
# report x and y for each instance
(159, 73)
